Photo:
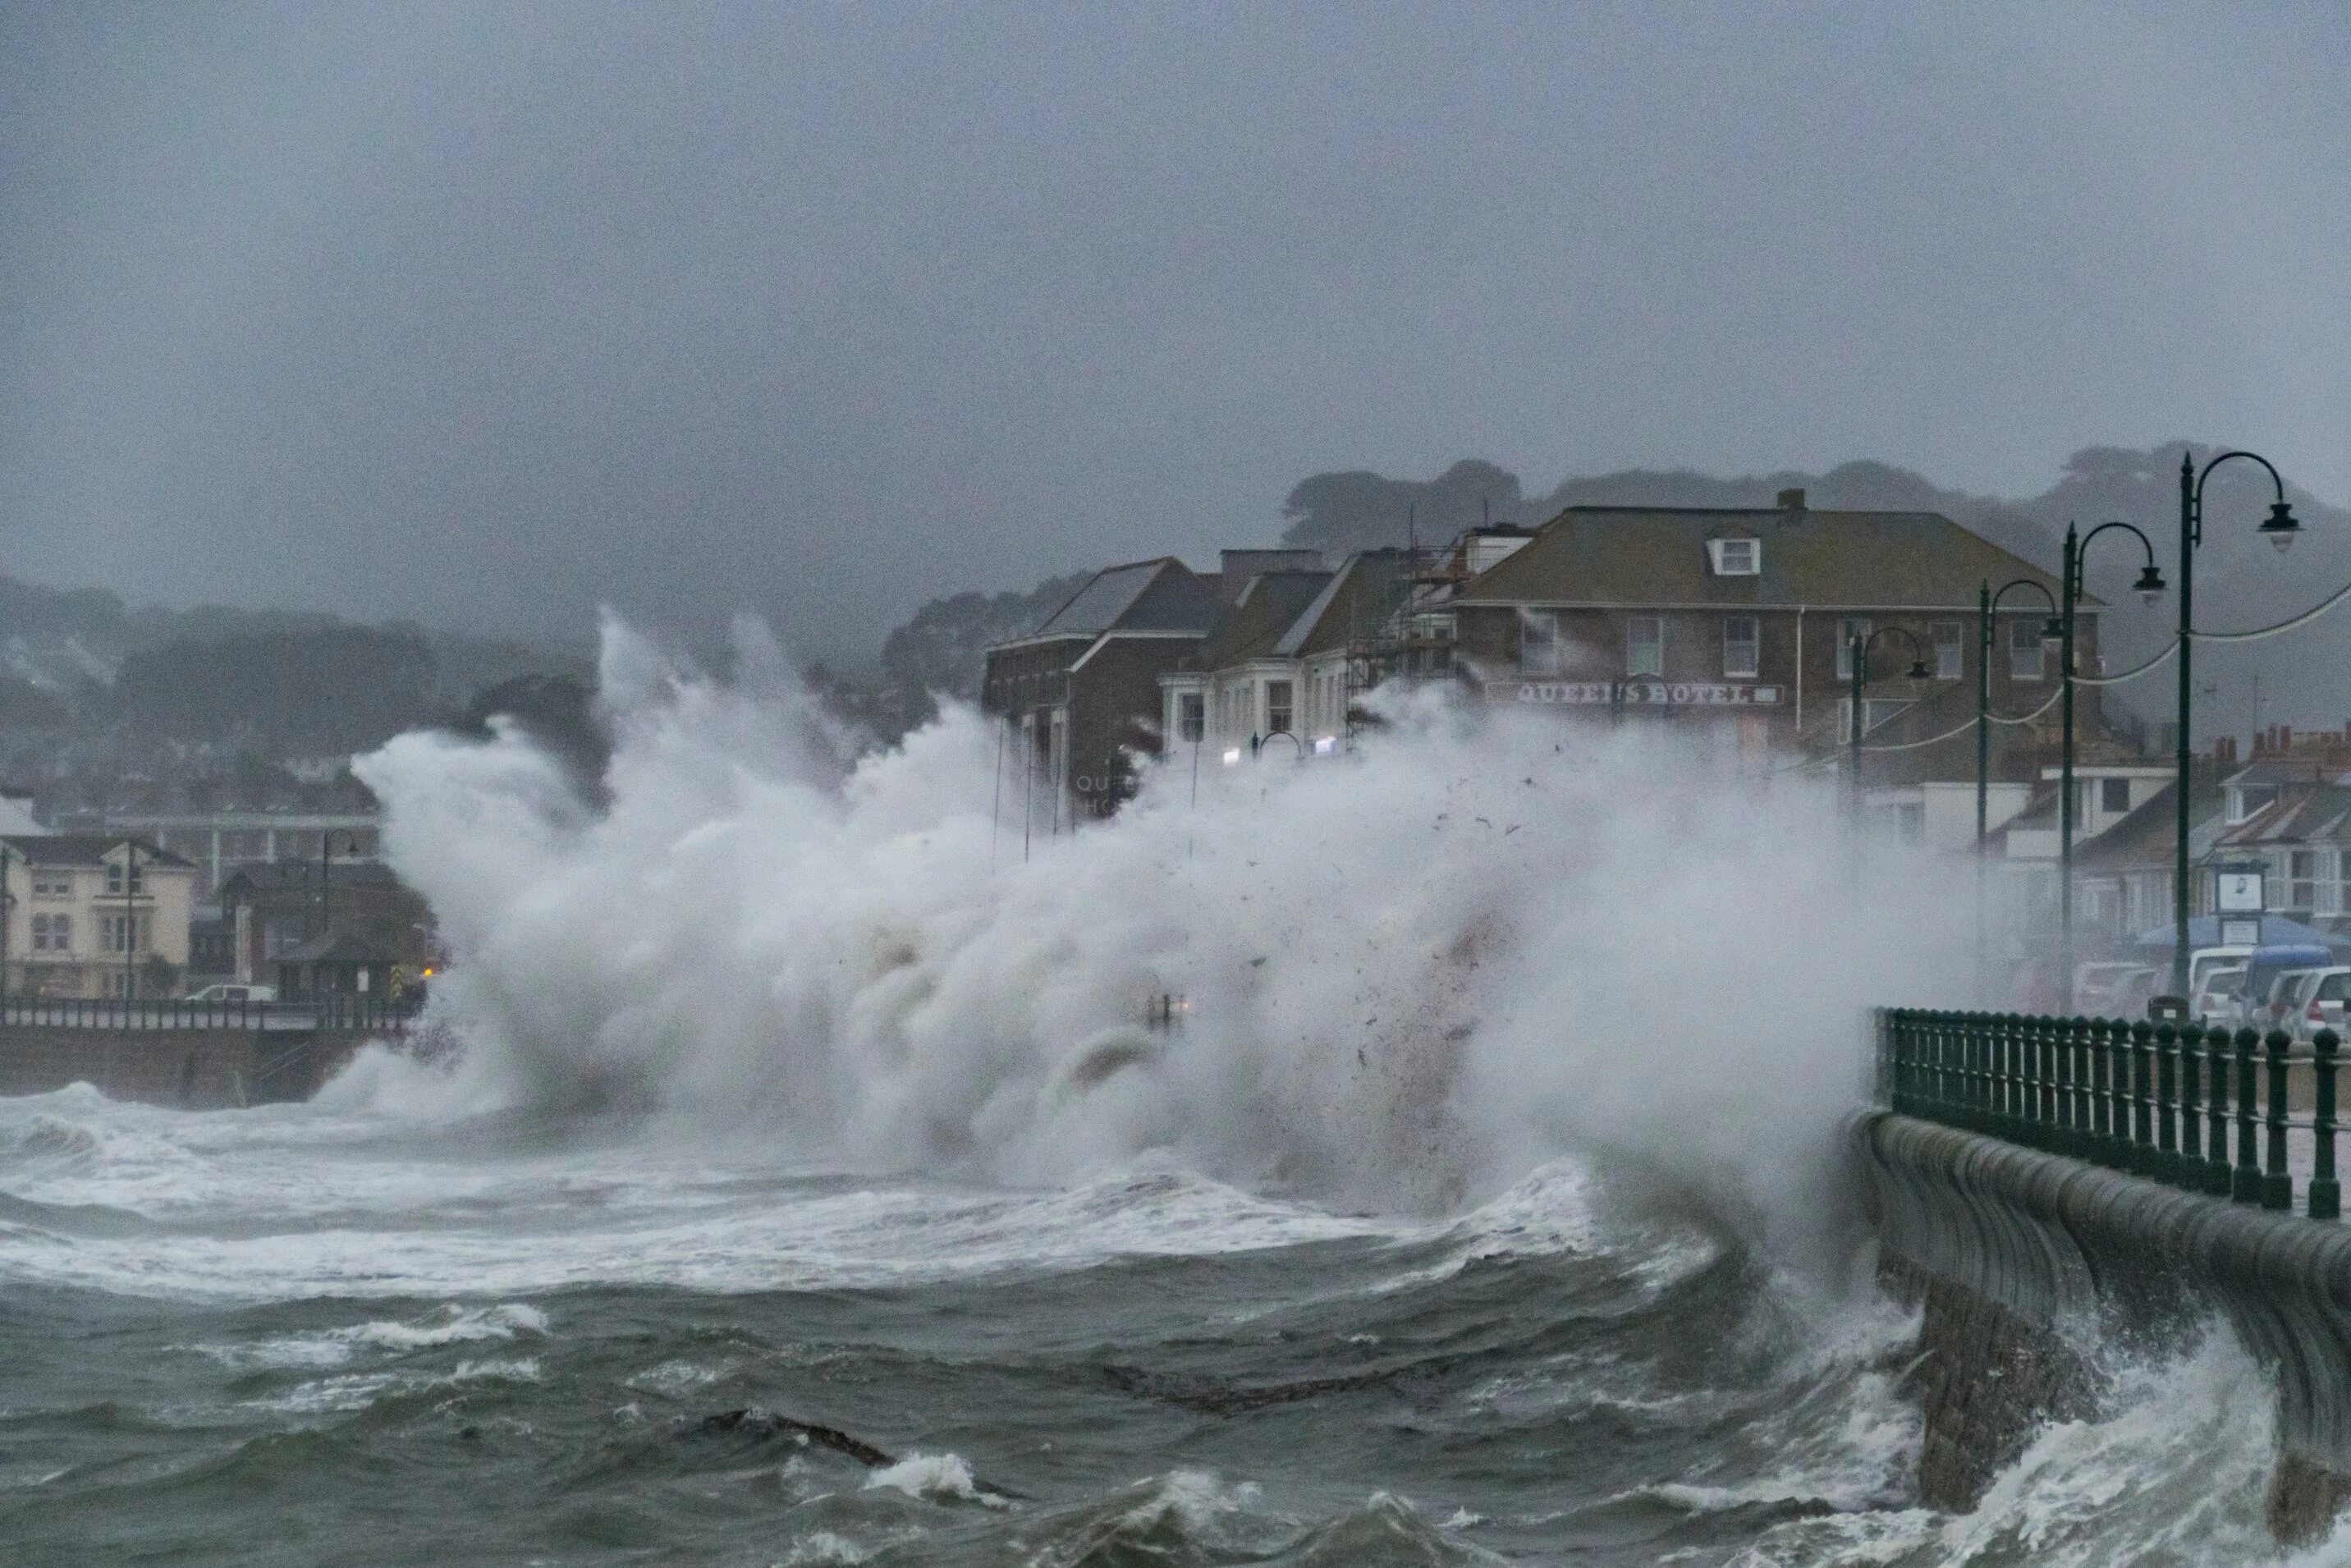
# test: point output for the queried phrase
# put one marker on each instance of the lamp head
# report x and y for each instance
(1919, 671)
(2149, 584)
(2053, 632)
(2280, 528)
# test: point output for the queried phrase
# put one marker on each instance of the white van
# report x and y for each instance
(231, 992)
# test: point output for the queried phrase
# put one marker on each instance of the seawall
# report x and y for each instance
(198, 1067)
(2029, 1265)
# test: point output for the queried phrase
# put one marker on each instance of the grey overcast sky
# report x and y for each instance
(487, 314)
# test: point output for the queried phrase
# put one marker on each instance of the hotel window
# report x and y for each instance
(1950, 655)
(1191, 714)
(1741, 644)
(1736, 557)
(1277, 708)
(40, 932)
(2028, 659)
(1538, 643)
(2301, 880)
(1645, 644)
(1850, 630)
(2113, 795)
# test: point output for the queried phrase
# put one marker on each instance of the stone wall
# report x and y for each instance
(2026, 1260)
(200, 1069)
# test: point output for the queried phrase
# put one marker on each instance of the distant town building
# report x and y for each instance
(1743, 620)
(1080, 692)
(1290, 661)
(278, 913)
(93, 915)
(220, 842)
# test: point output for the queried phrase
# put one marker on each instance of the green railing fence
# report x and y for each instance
(341, 1013)
(2157, 1101)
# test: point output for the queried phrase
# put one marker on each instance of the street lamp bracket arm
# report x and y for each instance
(2196, 528)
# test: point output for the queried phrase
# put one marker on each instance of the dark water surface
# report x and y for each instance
(300, 1336)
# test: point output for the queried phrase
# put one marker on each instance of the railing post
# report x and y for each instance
(2189, 1172)
(2052, 1034)
(2277, 1183)
(2326, 1192)
(2216, 1156)
(2245, 1181)
(2028, 1079)
(2166, 1103)
(2142, 1050)
(2057, 1036)
(1889, 1059)
(2118, 1052)
(2086, 1137)
(2102, 1088)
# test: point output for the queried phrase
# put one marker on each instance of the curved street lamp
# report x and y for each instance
(1859, 648)
(2052, 633)
(2149, 587)
(2279, 528)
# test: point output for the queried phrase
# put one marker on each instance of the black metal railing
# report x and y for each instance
(345, 1013)
(2158, 1101)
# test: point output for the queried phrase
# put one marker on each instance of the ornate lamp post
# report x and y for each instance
(2279, 528)
(2149, 587)
(1987, 616)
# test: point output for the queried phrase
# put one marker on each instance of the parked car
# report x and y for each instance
(2322, 1003)
(2114, 989)
(2279, 1005)
(2221, 999)
(230, 992)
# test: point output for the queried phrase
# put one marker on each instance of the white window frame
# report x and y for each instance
(1951, 637)
(1191, 715)
(1288, 716)
(1753, 663)
(2302, 879)
(2028, 654)
(1850, 628)
(1749, 561)
(1634, 661)
(1540, 652)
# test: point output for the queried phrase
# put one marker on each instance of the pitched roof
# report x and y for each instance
(1161, 595)
(86, 848)
(2288, 770)
(2148, 834)
(278, 876)
(1658, 555)
(1357, 598)
(337, 947)
(2320, 814)
(1266, 608)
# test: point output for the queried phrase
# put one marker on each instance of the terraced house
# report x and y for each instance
(1741, 623)
(90, 915)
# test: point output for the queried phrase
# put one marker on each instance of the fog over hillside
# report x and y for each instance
(83, 662)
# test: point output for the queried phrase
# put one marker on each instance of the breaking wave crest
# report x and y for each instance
(1413, 972)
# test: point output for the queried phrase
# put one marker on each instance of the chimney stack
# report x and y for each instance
(2224, 748)
(1792, 500)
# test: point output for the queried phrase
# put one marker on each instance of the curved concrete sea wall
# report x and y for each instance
(2028, 1263)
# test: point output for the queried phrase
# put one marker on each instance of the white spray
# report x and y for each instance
(1412, 973)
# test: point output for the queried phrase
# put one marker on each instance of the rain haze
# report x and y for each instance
(487, 316)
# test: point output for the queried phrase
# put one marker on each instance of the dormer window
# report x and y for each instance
(1736, 557)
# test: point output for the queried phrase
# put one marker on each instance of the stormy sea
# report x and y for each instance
(1427, 1155)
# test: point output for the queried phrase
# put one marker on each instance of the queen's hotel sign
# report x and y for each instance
(1636, 694)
